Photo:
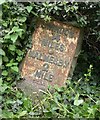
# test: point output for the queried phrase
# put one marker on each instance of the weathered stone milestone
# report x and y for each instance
(49, 62)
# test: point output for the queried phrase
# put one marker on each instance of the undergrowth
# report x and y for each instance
(80, 98)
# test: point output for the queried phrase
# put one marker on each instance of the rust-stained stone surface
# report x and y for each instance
(50, 59)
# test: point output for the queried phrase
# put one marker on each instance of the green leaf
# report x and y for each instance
(1, 81)
(14, 68)
(4, 24)
(15, 28)
(14, 37)
(5, 59)
(22, 19)
(7, 114)
(35, 14)
(0, 98)
(9, 78)
(7, 36)
(22, 113)
(27, 104)
(4, 88)
(2, 1)
(78, 102)
(19, 52)
(9, 64)
(2, 52)
(19, 30)
(15, 63)
(12, 47)
(4, 73)
(29, 8)
(19, 58)
(1, 40)
(42, 16)
(19, 33)
(0, 60)
(55, 7)
(75, 7)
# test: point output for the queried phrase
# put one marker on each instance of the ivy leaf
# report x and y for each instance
(4, 73)
(0, 60)
(22, 113)
(4, 24)
(7, 36)
(14, 37)
(14, 68)
(29, 8)
(2, 1)
(22, 19)
(75, 7)
(19, 30)
(55, 7)
(1, 81)
(6, 114)
(42, 16)
(5, 59)
(15, 28)
(9, 64)
(77, 102)
(19, 34)
(0, 98)
(2, 52)
(19, 52)
(12, 47)
(19, 59)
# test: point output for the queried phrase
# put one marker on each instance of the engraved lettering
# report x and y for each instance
(38, 55)
(60, 63)
(55, 61)
(52, 44)
(57, 46)
(51, 77)
(48, 76)
(38, 74)
(66, 63)
(62, 48)
(45, 67)
(49, 58)
(45, 58)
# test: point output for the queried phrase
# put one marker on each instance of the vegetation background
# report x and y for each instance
(81, 96)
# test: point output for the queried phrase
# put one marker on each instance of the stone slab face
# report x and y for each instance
(50, 59)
